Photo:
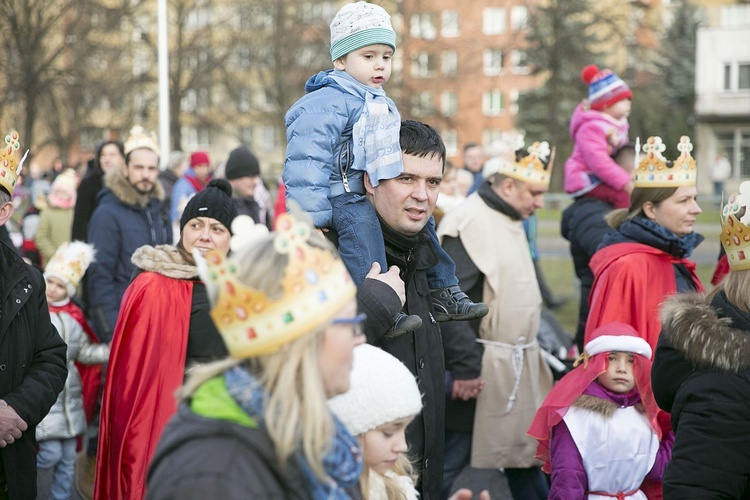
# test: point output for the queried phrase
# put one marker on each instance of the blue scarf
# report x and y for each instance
(651, 233)
(343, 464)
(376, 134)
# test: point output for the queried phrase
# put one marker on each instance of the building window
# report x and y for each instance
(317, 11)
(518, 62)
(448, 103)
(449, 23)
(727, 77)
(449, 63)
(243, 100)
(743, 76)
(195, 138)
(491, 136)
(492, 103)
(245, 135)
(422, 65)
(243, 55)
(493, 62)
(450, 139)
(513, 98)
(268, 137)
(518, 18)
(198, 19)
(421, 104)
(423, 26)
(735, 145)
(736, 76)
(494, 21)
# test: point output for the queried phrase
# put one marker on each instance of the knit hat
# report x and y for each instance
(199, 158)
(358, 25)
(605, 88)
(62, 193)
(241, 163)
(215, 202)
(381, 390)
(69, 263)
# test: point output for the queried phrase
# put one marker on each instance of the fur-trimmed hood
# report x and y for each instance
(703, 336)
(165, 260)
(602, 406)
(126, 192)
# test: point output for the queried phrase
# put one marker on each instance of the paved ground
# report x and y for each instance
(480, 479)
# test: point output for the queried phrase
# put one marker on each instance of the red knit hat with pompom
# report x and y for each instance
(605, 88)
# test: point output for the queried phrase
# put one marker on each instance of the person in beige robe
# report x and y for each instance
(488, 229)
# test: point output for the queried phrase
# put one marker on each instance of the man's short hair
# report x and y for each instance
(421, 140)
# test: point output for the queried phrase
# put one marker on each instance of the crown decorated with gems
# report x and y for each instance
(140, 138)
(535, 167)
(655, 171)
(10, 166)
(735, 228)
(315, 285)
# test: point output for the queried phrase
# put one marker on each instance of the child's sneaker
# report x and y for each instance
(403, 323)
(451, 304)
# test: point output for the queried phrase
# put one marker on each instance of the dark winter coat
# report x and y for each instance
(123, 221)
(701, 375)
(86, 201)
(32, 366)
(422, 352)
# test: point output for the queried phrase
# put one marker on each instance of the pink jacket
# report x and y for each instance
(596, 137)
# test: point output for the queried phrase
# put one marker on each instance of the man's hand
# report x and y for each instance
(466, 494)
(11, 425)
(467, 389)
(391, 278)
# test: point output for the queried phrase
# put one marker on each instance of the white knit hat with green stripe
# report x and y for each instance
(358, 25)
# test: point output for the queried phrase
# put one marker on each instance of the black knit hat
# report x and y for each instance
(241, 163)
(215, 202)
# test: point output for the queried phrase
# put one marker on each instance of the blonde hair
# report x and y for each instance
(295, 415)
(735, 285)
(402, 467)
(638, 198)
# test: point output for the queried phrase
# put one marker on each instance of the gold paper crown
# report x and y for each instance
(70, 261)
(316, 285)
(655, 171)
(534, 167)
(735, 228)
(10, 167)
(139, 138)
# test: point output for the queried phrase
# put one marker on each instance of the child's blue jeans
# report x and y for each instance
(59, 454)
(361, 241)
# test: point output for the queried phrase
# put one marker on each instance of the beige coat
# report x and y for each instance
(498, 247)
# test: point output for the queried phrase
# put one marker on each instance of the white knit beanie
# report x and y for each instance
(382, 390)
(358, 25)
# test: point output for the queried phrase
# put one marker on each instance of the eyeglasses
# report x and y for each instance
(357, 323)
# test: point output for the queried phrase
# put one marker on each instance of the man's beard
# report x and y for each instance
(150, 189)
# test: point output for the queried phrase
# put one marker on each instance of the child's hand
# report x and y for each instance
(391, 278)
(466, 494)
(467, 389)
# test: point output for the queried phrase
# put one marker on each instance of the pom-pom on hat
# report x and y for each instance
(69, 263)
(605, 88)
(241, 163)
(381, 390)
(215, 202)
(358, 25)
(199, 158)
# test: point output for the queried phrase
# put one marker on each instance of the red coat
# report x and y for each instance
(631, 280)
(146, 367)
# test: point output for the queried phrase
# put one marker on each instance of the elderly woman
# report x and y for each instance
(164, 327)
(647, 257)
(257, 425)
(701, 372)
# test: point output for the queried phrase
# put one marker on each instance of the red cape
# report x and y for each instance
(631, 281)
(146, 367)
(91, 375)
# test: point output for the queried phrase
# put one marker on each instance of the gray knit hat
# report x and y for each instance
(381, 390)
(358, 25)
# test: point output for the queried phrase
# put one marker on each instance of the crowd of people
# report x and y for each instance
(173, 334)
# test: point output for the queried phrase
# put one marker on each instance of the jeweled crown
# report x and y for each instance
(534, 168)
(735, 228)
(140, 138)
(315, 284)
(655, 171)
(10, 165)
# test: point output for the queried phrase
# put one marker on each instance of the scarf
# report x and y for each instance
(648, 232)
(376, 134)
(343, 463)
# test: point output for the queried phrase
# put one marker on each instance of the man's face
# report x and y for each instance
(474, 159)
(142, 170)
(524, 197)
(244, 187)
(406, 202)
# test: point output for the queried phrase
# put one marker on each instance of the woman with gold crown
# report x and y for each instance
(701, 372)
(256, 425)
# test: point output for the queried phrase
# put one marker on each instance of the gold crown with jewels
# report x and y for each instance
(534, 168)
(655, 171)
(10, 166)
(735, 228)
(316, 285)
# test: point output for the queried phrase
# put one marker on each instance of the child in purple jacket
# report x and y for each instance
(599, 128)
(599, 429)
